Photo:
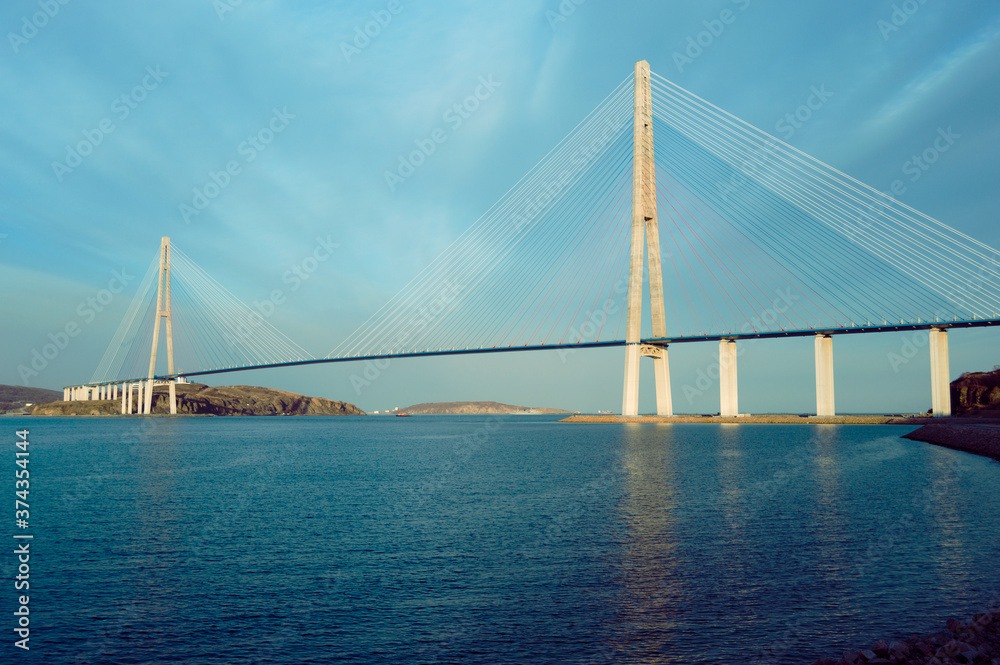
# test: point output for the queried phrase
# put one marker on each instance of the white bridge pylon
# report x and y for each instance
(645, 230)
(142, 389)
(645, 235)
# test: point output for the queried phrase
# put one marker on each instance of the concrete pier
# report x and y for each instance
(940, 383)
(630, 393)
(728, 389)
(824, 376)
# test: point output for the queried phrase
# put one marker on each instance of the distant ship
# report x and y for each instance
(402, 415)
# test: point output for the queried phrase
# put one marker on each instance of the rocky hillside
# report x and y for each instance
(976, 391)
(475, 408)
(15, 397)
(199, 399)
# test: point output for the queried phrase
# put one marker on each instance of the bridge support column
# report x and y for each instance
(630, 394)
(140, 399)
(824, 376)
(664, 400)
(123, 399)
(148, 408)
(114, 391)
(661, 368)
(728, 391)
(65, 394)
(173, 398)
(940, 383)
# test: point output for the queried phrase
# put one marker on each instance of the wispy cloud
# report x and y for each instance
(930, 81)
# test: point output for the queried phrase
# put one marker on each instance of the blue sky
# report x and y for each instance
(199, 77)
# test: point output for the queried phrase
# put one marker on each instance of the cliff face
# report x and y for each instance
(198, 399)
(974, 391)
(475, 408)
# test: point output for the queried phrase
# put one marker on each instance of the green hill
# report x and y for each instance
(15, 397)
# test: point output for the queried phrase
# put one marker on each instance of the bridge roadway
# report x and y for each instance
(974, 323)
(938, 343)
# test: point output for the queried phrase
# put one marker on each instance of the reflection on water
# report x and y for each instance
(375, 541)
(653, 595)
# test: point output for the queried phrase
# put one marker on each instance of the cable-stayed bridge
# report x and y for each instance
(725, 231)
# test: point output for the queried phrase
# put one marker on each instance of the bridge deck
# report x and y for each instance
(976, 323)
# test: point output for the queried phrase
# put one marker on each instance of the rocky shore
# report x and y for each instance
(477, 408)
(199, 399)
(979, 438)
(977, 641)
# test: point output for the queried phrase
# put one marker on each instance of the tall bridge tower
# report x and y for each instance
(162, 312)
(645, 231)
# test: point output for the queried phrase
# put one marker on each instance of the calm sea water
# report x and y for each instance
(486, 540)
